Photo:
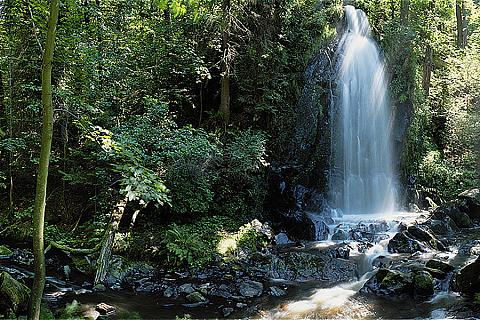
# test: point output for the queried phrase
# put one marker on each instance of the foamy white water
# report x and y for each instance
(362, 179)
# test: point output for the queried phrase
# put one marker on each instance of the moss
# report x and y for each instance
(13, 294)
(423, 284)
(5, 252)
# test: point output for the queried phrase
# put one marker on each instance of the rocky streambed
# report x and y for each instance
(404, 266)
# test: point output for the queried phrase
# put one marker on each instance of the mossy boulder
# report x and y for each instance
(457, 211)
(467, 280)
(422, 233)
(403, 243)
(5, 252)
(439, 265)
(423, 285)
(388, 283)
(443, 227)
(471, 202)
(13, 295)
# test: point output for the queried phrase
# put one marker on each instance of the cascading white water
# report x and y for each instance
(362, 176)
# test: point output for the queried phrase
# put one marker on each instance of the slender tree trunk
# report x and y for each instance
(427, 69)
(42, 175)
(460, 14)
(464, 25)
(225, 65)
(10, 134)
(106, 251)
(2, 99)
(404, 11)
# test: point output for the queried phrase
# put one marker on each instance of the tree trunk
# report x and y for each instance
(225, 65)
(404, 11)
(464, 25)
(106, 251)
(427, 69)
(460, 14)
(42, 175)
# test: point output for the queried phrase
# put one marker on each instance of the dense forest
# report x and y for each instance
(187, 144)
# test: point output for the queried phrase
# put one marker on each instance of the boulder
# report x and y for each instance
(424, 235)
(196, 297)
(439, 265)
(467, 280)
(13, 295)
(297, 225)
(277, 292)
(437, 274)
(471, 200)
(402, 243)
(186, 288)
(5, 252)
(312, 265)
(340, 235)
(453, 210)
(388, 283)
(227, 311)
(250, 289)
(423, 285)
(443, 227)
(282, 238)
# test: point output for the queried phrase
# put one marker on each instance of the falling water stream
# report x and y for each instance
(362, 177)
(362, 184)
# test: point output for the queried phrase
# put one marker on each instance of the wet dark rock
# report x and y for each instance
(196, 297)
(444, 227)
(170, 292)
(227, 311)
(439, 265)
(437, 274)
(122, 272)
(250, 289)
(22, 256)
(340, 235)
(461, 219)
(471, 202)
(99, 287)
(423, 285)
(424, 235)
(311, 265)
(402, 243)
(321, 228)
(13, 295)
(452, 210)
(240, 305)
(389, 283)
(186, 288)
(467, 280)
(277, 292)
(282, 238)
(297, 225)
(223, 291)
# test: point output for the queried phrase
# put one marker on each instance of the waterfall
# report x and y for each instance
(362, 178)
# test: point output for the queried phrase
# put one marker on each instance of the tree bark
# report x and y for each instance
(404, 11)
(464, 25)
(225, 65)
(427, 69)
(460, 14)
(42, 175)
(106, 251)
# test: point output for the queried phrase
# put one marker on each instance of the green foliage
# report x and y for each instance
(241, 184)
(185, 247)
